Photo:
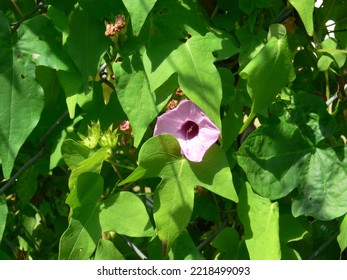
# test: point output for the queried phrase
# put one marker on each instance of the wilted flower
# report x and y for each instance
(124, 126)
(195, 132)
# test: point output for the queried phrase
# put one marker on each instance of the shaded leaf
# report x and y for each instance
(86, 44)
(290, 230)
(80, 238)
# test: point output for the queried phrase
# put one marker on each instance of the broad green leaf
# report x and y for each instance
(91, 164)
(342, 237)
(136, 95)
(330, 55)
(80, 238)
(193, 61)
(174, 198)
(107, 251)
(292, 153)
(305, 9)
(40, 42)
(138, 12)
(273, 60)
(173, 207)
(86, 44)
(74, 153)
(125, 214)
(260, 219)
(3, 215)
(20, 94)
(271, 157)
(322, 188)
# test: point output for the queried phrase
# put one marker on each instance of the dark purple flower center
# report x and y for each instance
(189, 130)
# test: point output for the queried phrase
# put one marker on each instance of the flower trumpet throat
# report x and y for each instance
(195, 132)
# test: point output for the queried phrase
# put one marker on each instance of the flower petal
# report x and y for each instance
(174, 122)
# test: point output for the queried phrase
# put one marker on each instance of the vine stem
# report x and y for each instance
(134, 247)
(35, 157)
(322, 247)
(22, 169)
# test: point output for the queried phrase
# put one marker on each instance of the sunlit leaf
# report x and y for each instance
(21, 95)
(273, 60)
(138, 12)
(260, 219)
(174, 198)
(342, 237)
(305, 9)
(123, 213)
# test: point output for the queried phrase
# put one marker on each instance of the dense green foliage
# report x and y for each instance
(82, 83)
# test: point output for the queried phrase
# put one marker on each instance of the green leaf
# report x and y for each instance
(227, 242)
(3, 215)
(80, 238)
(136, 95)
(72, 85)
(292, 152)
(330, 55)
(138, 14)
(290, 230)
(260, 219)
(95, 10)
(184, 249)
(20, 94)
(40, 41)
(271, 157)
(123, 213)
(86, 44)
(174, 197)
(173, 207)
(198, 77)
(273, 60)
(74, 153)
(342, 237)
(107, 251)
(91, 164)
(322, 189)
(305, 9)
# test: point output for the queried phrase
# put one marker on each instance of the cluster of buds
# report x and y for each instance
(112, 29)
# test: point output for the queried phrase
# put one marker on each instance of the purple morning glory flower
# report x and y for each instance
(195, 132)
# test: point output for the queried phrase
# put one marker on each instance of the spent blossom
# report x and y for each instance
(195, 132)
